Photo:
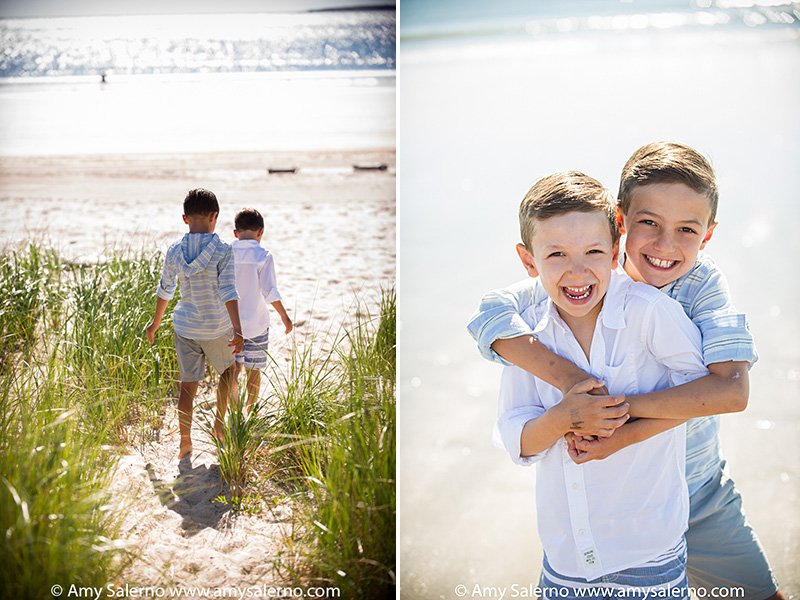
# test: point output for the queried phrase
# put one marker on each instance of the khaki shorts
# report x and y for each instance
(724, 551)
(192, 355)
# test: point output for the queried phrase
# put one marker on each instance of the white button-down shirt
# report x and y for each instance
(256, 284)
(621, 512)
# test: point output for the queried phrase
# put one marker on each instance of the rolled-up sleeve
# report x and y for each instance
(726, 332)
(498, 316)
(226, 273)
(169, 279)
(518, 403)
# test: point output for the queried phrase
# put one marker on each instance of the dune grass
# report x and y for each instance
(78, 382)
(337, 418)
(75, 382)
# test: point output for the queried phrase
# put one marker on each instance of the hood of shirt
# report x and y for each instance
(197, 251)
(249, 252)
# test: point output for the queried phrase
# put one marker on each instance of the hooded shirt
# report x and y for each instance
(204, 265)
(256, 285)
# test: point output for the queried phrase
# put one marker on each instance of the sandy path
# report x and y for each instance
(181, 534)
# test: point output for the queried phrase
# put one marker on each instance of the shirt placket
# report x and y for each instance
(577, 498)
(578, 503)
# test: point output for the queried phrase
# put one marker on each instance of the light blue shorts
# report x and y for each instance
(254, 355)
(664, 577)
(724, 551)
(192, 355)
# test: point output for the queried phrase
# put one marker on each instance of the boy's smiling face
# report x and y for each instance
(573, 255)
(667, 224)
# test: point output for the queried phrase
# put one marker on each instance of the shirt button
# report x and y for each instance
(576, 486)
(581, 532)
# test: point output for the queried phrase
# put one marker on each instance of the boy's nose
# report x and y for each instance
(577, 267)
(664, 241)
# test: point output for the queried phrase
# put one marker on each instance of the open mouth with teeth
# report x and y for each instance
(578, 294)
(659, 263)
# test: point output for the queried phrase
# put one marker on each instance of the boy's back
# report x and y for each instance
(607, 516)
(204, 265)
(256, 283)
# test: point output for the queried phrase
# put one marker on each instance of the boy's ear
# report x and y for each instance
(709, 233)
(260, 232)
(527, 260)
(615, 255)
(236, 233)
(212, 217)
(185, 220)
(620, 222)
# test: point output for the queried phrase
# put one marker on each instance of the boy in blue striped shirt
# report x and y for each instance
(667, 207)
(206, 318)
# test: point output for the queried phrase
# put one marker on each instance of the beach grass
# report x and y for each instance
(76, 382)
(337, 419)
(79, 382)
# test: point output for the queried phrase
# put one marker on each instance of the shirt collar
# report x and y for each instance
(612, 315)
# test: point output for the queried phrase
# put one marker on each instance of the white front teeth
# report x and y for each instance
(578, 293)
(661, 264)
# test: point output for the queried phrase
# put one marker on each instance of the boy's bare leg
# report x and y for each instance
(185, 406)
(234, 391)
(253, 386)
(226, 384)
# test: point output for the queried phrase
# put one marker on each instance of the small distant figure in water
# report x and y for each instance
(103, 77)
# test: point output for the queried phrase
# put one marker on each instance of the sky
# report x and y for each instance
(69, 8)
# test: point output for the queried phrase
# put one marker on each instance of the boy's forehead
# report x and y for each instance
(676, 197)
(563, 227)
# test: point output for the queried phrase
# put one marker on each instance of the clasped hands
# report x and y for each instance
(593, 417)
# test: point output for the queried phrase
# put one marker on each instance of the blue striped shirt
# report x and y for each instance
(704, 295)
(204, 265)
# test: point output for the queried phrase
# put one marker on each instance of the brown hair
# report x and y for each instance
(668, 162)
(561, 193)
(200, 202)
(248, 219)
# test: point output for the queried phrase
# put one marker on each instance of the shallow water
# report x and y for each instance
(198, 83)
(483, 117)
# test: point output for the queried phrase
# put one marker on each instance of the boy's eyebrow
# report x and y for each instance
(560, 246)
(645, 212)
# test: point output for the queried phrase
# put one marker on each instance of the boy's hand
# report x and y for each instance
(583, 449)
(586, 414)
(287, 323)
(236, 342)
(151, 332)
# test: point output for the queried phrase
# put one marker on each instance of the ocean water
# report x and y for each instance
(183, 83)
(493, 97)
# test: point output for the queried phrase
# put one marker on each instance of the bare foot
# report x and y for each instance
(185, 449)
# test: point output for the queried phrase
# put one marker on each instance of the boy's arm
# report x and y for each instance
(237, 341)
(583, 450)
(164, 293)
(161, 307)
(528, 353)
(226, 277)
(287, 322)
(526, 429)
(498, 316)
(503, 336)
(728, 350)
(724, 390)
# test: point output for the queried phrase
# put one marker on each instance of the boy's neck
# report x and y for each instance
(247, 235)
(201, 223)
(583, 327)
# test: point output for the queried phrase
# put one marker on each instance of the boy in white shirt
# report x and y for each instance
(257, 287)
(618, 523)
